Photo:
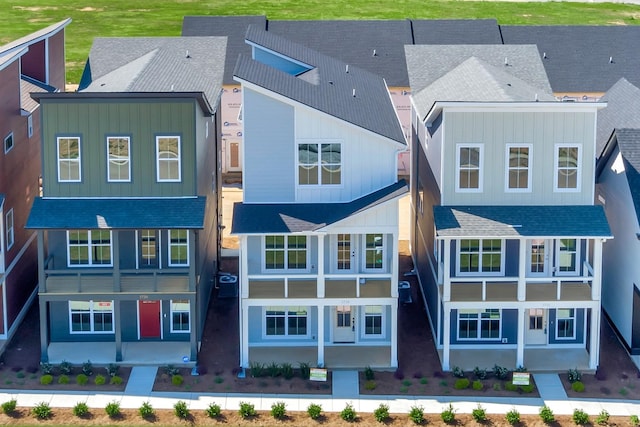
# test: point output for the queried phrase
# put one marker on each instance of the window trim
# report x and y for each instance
(7, 138)
(479, 319)
(508, 168)
(556, 158)
(285, 249)
(480, 272)
(30, 126)
(178, 159)
(573, 318)
(382, 316)
(90, 252)
(109, 161)
(172, 311)
(10, 229)
(170, 244)
(558, 251)
(91, 320)
(286, 334)
(480, 148)
(78, 160)
(383, 248)
(319, 143)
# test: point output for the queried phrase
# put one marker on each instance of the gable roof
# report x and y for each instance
(456, 31)
(622, 111)
(34, 37)
(577, 57)
(232, 27)
(156, 65)
(333, 87)
(260, 218)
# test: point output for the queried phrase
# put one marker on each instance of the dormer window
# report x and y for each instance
(319, 164)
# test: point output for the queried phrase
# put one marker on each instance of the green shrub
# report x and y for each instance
(87, 368)
(510, 387)
(580, 417)
(279, 410)
(477, 385)
(634, 420)
(181, 410)
(65, 367)
(461, 383)
(603, 418)
(42, 411)
(546, 415)
(177, 380)
(479, 414)
(448, 414)
(63, 379)
(82, 379)
(527, 388)
(112, 369)
(46, 379)
(577, 386)
(348, 413)
(370, 385)
(480, 374)
(171, 370)
(100, 380)
(416, 414)
(274, 370)
(115, 380)
(112, 409)
(369, 374)
(381, 413)
(314, 411)
(46, 368)
(247, 410)
(513, 417)
(500, 372)
(146, 410)
(257, 369)
(574, 375)
(81, 409)
(458, 372)
(213, 410)
(287, 371)
(9, 406)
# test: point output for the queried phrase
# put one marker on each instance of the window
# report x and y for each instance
(91, 316)
(168, 158)
(180, 316)
(480, 256)
(567, 256)
(89, 247)
(8, 142)
(30, 125)
(518, 166)
(567, 168)
(286, 321)
(285, 252)
(469, 164)
(344, 251)
(374, 251)
(9, 227)
(479, 324)
(373, 320)
(178, 248)
(69, 167)
(565, 323)
(148, 248)
(319, 164)
(118, 164)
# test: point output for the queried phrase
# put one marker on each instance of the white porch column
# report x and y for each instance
(395, 265)
(522, 271)
(244, 309)
(446, 337)
(394, 334)
(244, 268)
(244, 335)
(320, 279)
(596, 284)
(594, 345)
(446, 293)
(520, 343)
(320, 335)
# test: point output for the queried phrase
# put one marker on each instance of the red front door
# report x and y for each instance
(149, 319)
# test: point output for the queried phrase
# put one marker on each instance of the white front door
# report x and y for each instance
(344, 324)
(345, 254)
(539, 255)
(536, 324)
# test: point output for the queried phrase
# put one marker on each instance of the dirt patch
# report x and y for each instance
(91, 9)
(35, 8)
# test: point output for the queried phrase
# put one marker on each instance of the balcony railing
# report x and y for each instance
(306, 286)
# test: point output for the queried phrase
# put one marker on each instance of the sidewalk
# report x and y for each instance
(141, 391)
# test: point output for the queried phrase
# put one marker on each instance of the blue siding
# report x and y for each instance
(129, 319)
(386, 327)
(276, 61)
(579, 325)
(512, 254)
(59, 321)
(256, 325)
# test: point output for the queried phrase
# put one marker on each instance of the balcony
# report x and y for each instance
(335, 287)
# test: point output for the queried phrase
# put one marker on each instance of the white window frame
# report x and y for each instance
(480, 254)
(167, 160)
(91, 318)
(285, 251)
(382, 316)
(173, 310)
(70, 161)
(508, 168)
(573, 319)
(556, 158)
(89, 246)
(286, 317)
(318, 163)
(559, 251)
(110, 161)
(10, 236)
(458, 168)
(479, 320)
(171, 244)
(6, 140)
(30, 125)
(365, 250)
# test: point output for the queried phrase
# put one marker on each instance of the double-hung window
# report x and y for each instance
(567, 256)
(178, 248)
(285, 252)
(480, 256)
(180, 316)
(8, 142)
(285, 321)
(565, 323)
(168, 159)
(119, 159)
(373, 320)
(374, 252)
(319, 164)
(567, 168)
(90, 317)
(479, 324)
(89, 247)
(518, 168)
(69, 163)
(469, 167)
(9, 228)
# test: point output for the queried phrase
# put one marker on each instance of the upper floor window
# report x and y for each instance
(69, 165)
(8, 142)
(567, 167)
(168, 165)
(285, 252)
(374, 251)
(518, 167)
(469, 167)
(567, 256)
(480, 256)
(119, 159)
(91, 316)
(178, 248)
(9, 228)
(148, 248)
(89, 247)
(319, 164)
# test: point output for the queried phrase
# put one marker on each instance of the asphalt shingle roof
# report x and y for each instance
(258, 218)
(514, 221)
(346, 92)
(628, 141)
(622, 111)
(87, 213)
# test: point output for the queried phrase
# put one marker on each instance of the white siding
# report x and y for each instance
(381, 219)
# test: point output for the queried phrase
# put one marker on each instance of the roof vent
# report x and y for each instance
(536, 97)
(611, 60)
(506, 61)
(187, 54)
(171, 88)
(354, 93)
(374, 52)
(544, 55)
(347, 68)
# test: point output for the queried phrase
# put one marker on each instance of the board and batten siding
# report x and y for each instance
(543, 130)
(142, 121)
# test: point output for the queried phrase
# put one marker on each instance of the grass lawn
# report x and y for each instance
(112, 18)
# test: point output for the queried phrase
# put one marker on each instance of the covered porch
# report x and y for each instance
(133, 353)
(335, 356)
